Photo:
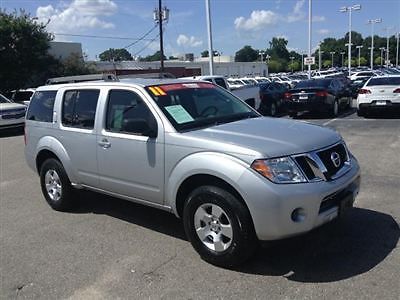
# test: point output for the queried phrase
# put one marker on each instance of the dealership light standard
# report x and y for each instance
(302, 61)
(373, 22)
(387, 45)
(342, 53)
(332, 53)
(397, 50)
(382, 50)
(210, 46)
(261, 53)
(359, 54)
(291, 58)
(349, 9)
(319, 56)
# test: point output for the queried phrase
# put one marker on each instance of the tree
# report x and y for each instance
(204, 53)
(275, 66)
(115, 55)
(247, 53)
(75, 65)
(277, 48)
(23, 50)
(154, 57)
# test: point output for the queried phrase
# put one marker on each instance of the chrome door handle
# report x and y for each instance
(104, 143)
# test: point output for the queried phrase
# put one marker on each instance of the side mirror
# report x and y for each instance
(141, 126)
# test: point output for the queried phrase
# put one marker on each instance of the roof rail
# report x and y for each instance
(155, 75)
(81, 78)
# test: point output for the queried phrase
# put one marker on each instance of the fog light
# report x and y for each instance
(298, 215)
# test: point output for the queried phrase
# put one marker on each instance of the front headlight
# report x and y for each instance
(279, 170)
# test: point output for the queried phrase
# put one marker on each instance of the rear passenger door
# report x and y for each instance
(130, 162)
(77, 134)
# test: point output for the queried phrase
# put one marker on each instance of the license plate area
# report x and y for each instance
(303, 97)
(380, 102)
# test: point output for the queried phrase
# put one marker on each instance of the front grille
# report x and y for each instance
(14, 116)
(302, 162)
(326, 158)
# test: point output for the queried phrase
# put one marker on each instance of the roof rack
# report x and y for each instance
(155, 75)
(81, 78)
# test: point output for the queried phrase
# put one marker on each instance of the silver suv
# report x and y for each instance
(194, 149)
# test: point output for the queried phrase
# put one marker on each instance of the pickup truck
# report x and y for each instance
(248, 93)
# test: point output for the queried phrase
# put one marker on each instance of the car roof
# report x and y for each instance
(123, 82)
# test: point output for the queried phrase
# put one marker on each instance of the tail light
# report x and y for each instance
(364, 91)
(287, 96)
(396, 91)
(321, 94)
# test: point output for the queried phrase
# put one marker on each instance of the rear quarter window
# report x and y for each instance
(384, 81)
(41, 106)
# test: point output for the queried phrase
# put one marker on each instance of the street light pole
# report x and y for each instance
(349, 9)
(291, 58)
(359, 54)
(319, 57)
(332, 53)
(309, 36)
(342, 53)
(382, 49)
(387, 45)
(397, 50)
(302, 61)
(210, 46)
(373, 22)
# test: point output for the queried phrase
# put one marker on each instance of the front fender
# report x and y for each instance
(53, 145)
(220, 165)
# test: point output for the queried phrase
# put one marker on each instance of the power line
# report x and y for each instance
(142, 38)
(147, 45)
(103, 37)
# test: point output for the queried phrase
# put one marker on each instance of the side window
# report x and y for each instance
(127, 113)
(41, 106)
(220, 82)
(79, 108)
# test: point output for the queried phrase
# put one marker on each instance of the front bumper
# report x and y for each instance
(272, 205)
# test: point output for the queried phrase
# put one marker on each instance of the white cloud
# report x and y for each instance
(318, 19)
(297, 14)
(323, 31)
(186, 41)
(77, 16)
(259, 19)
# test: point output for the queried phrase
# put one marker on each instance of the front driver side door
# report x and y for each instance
(130, 162)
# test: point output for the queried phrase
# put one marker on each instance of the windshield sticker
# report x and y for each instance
(179, 114)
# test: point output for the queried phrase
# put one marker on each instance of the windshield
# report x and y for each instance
(324, 83)
(4, 99)
(196, 105)
(384, 81)
(22, 96)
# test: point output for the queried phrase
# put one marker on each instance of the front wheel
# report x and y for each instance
(219, 226)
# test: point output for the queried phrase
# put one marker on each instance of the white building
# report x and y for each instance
(62, 50)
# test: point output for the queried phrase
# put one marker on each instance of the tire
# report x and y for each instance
(335, 108)
(272, 109)
(293, 114)
(56, 186)
(360, 112)
(229, 224)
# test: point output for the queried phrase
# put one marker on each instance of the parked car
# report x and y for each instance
(361, 74)
(194, 149)
(356, 85)
(22, 96)
(379, 93)
(11, 114)
(249, 93)
(317, 95)
(271, 96)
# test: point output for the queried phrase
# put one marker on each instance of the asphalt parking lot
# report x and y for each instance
(110, 248)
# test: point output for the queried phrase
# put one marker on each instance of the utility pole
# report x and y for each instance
(210, 45)
(332, 53)
(349, 9)
(359, 54)
(160, 15)
(373, 22)
(309, 35)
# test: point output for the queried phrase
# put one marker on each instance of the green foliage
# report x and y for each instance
(327, 63)
(363, 61)
(155, 57)
(275, 66)
(204, 53)
(115, 55)
(278, 49)
(23, 51)
(247, 53)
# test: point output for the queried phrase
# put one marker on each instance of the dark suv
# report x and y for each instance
(321, 95)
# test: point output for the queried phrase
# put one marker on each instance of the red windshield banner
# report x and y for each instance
(189, 85)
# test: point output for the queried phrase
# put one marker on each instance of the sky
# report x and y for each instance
(235, 23)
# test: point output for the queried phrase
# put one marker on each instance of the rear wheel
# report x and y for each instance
(55, 185)
(219, 226)
(335, 108)
(272, 109)
(293, 114)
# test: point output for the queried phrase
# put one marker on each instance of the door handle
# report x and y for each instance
(104, 143)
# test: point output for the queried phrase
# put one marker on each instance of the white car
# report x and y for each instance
(11, 114)
(382, 92)
(357, 75)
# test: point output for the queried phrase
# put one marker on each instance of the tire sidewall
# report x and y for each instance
(65, 202)
(243, 232)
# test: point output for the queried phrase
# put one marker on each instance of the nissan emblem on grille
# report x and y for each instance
(335, 158)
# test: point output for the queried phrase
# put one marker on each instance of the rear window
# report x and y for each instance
(79, 108)
(22, 96)
(41, 106)
(313, 83)
(384, 81)
(220, 82)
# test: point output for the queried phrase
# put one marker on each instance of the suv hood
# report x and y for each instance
(270, 137)
(7, 106)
